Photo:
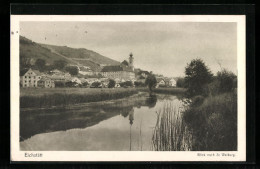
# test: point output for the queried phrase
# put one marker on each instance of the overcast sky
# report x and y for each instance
(162, 47)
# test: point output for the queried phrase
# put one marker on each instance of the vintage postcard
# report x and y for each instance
(128, 88)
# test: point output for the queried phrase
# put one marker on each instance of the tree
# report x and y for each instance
(59, 64)
(150, 81)
(85, 84)
(111, 83)
(197, 77)
(180, 82)
(227, 81)
(73, 70)
(40, 64)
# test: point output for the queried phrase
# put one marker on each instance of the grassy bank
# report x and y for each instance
(213, 121)
(41, 97)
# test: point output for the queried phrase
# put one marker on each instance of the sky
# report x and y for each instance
(162, 47)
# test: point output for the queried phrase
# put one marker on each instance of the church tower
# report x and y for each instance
(131, 61)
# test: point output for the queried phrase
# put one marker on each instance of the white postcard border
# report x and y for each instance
(240, 155)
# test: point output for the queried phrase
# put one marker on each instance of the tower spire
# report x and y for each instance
(131, 61)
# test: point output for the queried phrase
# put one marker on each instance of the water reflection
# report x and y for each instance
(151, 101)
(131, 121)
(78, 116)
(124, 124)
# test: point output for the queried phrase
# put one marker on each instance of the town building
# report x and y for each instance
(30, 78)
(46, 82)
(172, 82)
(57, 75)
(160, 82)
(124, 71)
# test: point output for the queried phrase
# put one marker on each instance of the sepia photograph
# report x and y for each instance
(111, 87)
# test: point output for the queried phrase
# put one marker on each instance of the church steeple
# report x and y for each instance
(131, 61)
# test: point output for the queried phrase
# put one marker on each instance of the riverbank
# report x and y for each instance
(42, 97)
(47, 97)
(164, 90)
(215, 127)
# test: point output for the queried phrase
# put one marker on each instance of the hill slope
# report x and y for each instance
(50, 53)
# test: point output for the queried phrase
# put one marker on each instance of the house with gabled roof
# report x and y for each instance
(30, 78)
(160, 82)
(46, 82)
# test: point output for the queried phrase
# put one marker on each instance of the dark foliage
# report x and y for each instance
(197, 77)
(126, 84)
(85, 84)
(150, 81)
(59, 84)
(180, 82)
(40, 64)
(71, 84)
(73, 70)
(111, 83)
(227, 81)
(96, 85)
(59, 64)
(139, 84)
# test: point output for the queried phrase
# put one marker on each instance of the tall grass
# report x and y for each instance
(171, 133)
(213, 121)
(64, 98)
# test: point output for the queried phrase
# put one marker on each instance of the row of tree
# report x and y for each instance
(200, 81)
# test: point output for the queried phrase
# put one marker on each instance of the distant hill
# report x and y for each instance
(50, 53)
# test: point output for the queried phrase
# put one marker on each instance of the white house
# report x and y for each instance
(30, 78)
(172, 82)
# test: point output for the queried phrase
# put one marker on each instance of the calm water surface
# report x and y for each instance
(118, 125)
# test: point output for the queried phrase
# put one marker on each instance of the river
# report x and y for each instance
(117, 125)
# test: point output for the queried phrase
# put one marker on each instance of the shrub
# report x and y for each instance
(126, 84)
(111, 83)
(71, 84)
(95, 84)
(85, 84)
(227, 81)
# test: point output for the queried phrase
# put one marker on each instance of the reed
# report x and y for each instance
(170, 132)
